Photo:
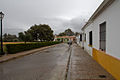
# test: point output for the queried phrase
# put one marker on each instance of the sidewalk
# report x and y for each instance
(83, 67)
(20, 54)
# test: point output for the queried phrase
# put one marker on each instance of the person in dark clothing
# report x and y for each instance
(70, 43)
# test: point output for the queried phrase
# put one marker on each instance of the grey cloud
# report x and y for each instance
(14, 31)
(59, 14)
(75, 24)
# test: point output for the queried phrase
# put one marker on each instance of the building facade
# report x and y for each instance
(65, 38)
(101, 36)
(79, 39)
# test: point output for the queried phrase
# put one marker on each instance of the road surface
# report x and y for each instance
(56, 63)
(49, 64)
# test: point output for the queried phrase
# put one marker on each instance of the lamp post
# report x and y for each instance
(1, 17)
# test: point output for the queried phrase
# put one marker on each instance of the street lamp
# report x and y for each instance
(1, 17)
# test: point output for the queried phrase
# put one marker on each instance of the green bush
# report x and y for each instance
(14, 48)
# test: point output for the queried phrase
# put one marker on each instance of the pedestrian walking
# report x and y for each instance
(69, 43)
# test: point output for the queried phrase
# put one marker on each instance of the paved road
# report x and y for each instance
(49, 64)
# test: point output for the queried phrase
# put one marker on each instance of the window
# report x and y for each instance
(103, 36)
(80, 37)
(90, 38)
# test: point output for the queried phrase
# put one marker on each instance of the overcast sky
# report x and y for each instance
(59, 14)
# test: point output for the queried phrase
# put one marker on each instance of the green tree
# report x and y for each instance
(34, 30)
(77, 33)
(21, 36)
(26, 37)
(67, 32)
(62, 34)
(5, 37)
(41, 32)
(9, 38)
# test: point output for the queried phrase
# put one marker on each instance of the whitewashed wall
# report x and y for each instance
(80, 43)
(86, 43)
(112, 17)
(78, 39)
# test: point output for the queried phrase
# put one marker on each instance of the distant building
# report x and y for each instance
(65, 38)
(101, 36)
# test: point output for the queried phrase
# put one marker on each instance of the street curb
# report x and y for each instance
(24, 53)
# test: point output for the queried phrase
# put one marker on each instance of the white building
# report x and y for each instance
(102, 36)
(79, 39)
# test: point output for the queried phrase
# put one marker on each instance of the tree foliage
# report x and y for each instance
(67, 32)
(21, 36)
(77, 33)
(41, 32)
(9, 38)
(62, 34)
(25, 36)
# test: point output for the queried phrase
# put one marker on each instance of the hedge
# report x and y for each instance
(14, 48)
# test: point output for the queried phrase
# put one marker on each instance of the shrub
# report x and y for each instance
(14, 48)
